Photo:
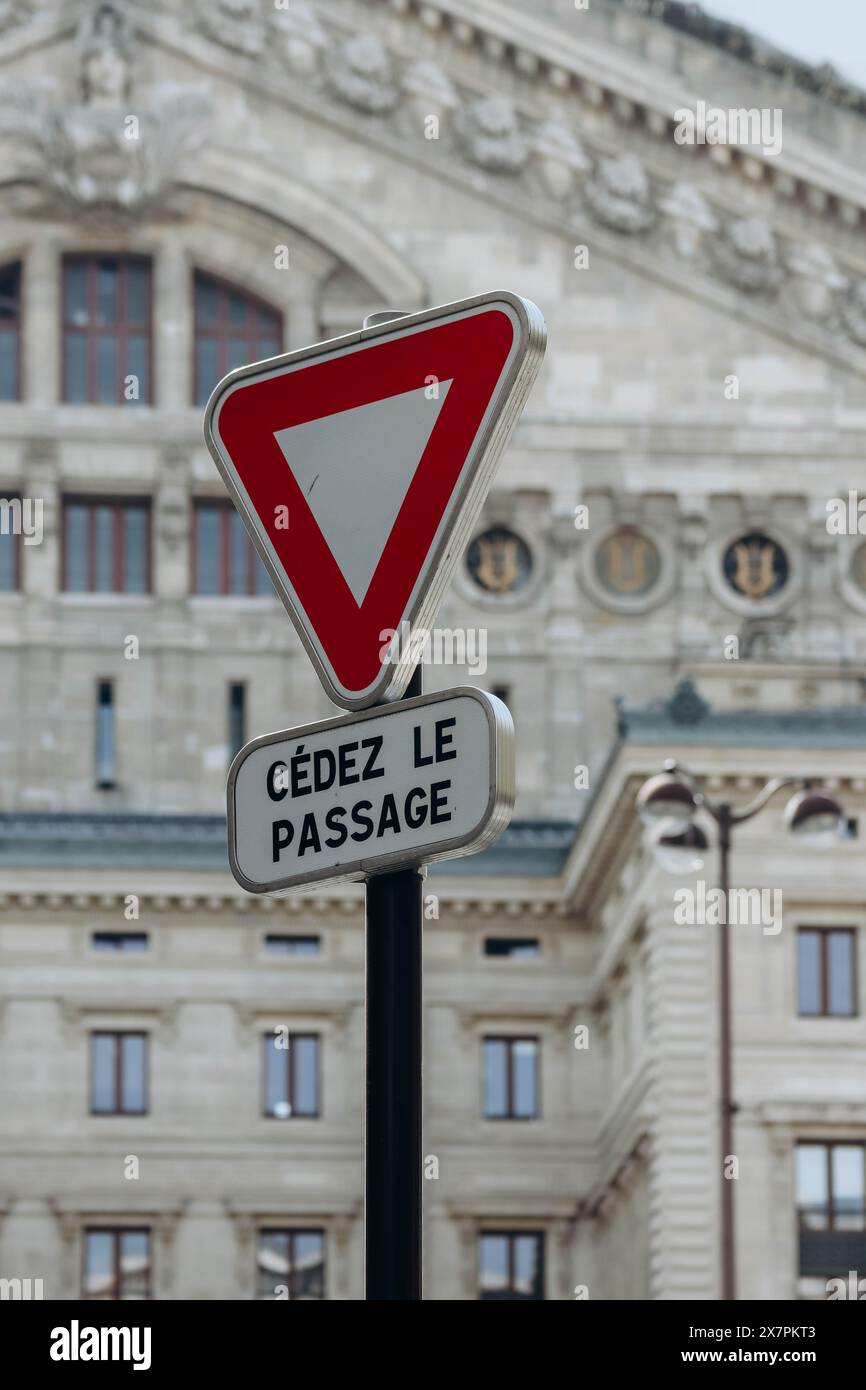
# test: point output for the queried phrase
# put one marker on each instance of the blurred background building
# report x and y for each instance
(186, 187)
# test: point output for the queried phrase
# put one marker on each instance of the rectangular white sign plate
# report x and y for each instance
(414, 782)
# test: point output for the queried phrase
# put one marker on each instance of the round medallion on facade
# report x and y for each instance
(755, 566)
(627, 563)
(499, 563)
(857, 568)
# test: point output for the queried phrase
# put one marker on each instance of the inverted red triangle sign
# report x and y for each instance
(359, 466)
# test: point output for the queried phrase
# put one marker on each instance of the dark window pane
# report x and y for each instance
(106, 369)
(846, 1174)
(207, 550)
(8, 562)
(292, 945)
(10, 293)
(238, 310)
(494, 1266)
(137, 366)
(523, 1062)
(308, 1265)
(205, 301)
(76, 368)
(134, 1264)
(305, 1098)
(8, 364)
(273, 1262)
(263, 582)
(239, 550)
(134, 1047)
(267, 347)
(106, 293)
(207, 372)
(76, 548)
(119, 941)
(840, 967)
(102, 1073)
(237, 717)
(495, 1077)
(137, 293)
(527, 1267)
(106, 753)
(812, 1194)
(276, 1079)
(104, 530)
(135, 550)
(75, 297)
(239, 353)
(809, 972)
(516, 948)
(99, 1264)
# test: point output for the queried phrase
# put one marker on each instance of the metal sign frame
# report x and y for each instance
(497, 813)
(460, 514)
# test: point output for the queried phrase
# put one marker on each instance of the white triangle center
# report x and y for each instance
(355, 467)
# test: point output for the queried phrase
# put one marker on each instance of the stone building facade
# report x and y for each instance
(196, 185)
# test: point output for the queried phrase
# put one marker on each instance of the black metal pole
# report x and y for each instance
(726, 1117)
(392, 1219)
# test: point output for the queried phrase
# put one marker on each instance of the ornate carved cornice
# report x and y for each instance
(554, 142)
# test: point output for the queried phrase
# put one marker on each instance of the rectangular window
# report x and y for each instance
(10, 332)
(11, 520)
(118, 1073)
(292, 945)
(232, 328)
(511, 1090)
(826, 972)
(292, 1075)
(106, 744)
(290, 1263)
(125, 941)
(831, 1206)
(106, 330)
(514, 947)
(511, 1264)
(106, 546)
(116, 1263)
(225, 561)
(237, 716)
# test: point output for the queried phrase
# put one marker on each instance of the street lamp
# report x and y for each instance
(667, 805)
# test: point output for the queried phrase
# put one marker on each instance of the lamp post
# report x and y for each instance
(667, 804)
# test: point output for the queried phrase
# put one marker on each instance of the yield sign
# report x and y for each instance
(359, 466)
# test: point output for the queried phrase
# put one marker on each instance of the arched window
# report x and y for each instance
(10, 332)
(106, 330)
(231, 329)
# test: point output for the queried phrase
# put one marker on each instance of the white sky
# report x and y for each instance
(818, 31)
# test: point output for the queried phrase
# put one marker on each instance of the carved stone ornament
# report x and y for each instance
(619, 194)
(561, 157)
(854, 312)
(815, 278)
(361, 73)
(691, 217)
(491, 134)
(746, 254)
(430, 90)
(236, 24)
(93, 157)
(304, 36)
(14, 12)
(104, 49)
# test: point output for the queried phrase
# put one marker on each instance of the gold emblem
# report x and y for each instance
(754, 570)
(498, 563)
(628, 562)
